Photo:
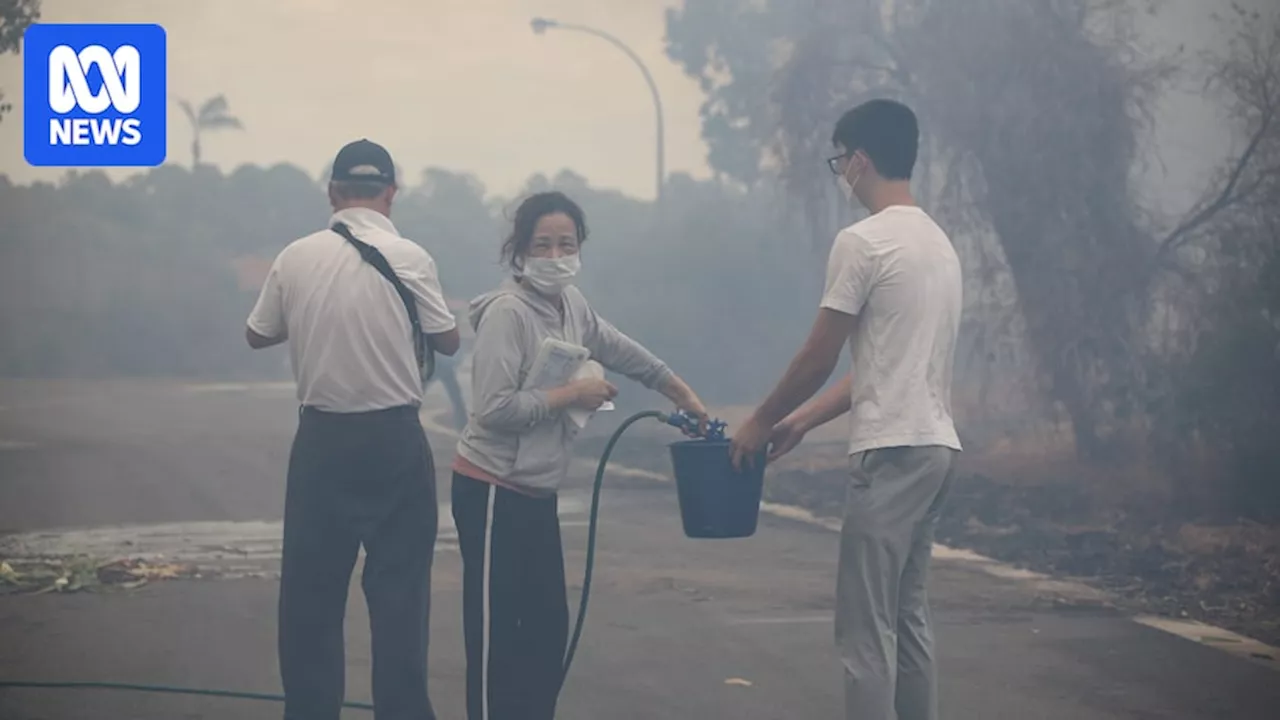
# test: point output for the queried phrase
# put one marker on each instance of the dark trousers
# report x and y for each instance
(515, 613)
(357, 479)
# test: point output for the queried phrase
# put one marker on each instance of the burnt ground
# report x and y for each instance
(1150, 558)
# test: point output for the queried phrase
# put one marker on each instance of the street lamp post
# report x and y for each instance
(541, 25)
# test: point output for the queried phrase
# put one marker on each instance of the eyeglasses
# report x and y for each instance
(833, 163)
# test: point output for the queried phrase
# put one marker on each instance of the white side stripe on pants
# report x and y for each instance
(484, 619)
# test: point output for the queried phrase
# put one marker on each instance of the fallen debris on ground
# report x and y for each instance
(80, 574)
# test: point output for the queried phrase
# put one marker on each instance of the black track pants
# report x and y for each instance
(515, 612)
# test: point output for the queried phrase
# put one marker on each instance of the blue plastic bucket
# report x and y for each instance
(716, 501)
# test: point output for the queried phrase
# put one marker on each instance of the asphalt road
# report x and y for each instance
(677, 628)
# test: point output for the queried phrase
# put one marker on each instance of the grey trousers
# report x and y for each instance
(883, 625)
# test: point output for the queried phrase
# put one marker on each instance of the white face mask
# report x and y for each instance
(846, 187)
(550, 276)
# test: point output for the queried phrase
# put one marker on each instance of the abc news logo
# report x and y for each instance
(94, 95)
(69, 91)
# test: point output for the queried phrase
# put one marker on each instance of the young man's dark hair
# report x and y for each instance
(887, 131)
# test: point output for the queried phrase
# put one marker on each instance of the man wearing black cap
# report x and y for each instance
(360, 472)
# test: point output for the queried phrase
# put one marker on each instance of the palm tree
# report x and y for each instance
(212, 115)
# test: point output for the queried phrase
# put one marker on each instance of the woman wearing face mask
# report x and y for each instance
(515, 452)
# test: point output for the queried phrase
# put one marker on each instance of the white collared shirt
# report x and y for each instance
(349, 335)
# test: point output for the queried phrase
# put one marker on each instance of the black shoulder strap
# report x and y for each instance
(421, 346)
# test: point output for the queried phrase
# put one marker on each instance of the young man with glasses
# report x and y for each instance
(893, 293)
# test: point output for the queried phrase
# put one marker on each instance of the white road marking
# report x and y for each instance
(1224, 640)
(799, 514)
(271, 387)
(1065, 589)
(1069, 590)
(801, 620)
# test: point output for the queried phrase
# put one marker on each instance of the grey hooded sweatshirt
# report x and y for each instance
(513, 434)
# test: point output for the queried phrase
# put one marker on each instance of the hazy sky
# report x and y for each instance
(465, 84)
(461, 84)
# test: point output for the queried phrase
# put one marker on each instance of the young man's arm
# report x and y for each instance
(828, 406)
(851, 273)
(810, 369)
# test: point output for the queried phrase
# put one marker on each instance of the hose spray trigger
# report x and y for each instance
(688, 424)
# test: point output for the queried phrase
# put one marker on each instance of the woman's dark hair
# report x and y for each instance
(534, 208)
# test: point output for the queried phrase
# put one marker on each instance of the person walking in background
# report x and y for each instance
(447, 374)
(360, 471)
(515, 452)
(893, 292)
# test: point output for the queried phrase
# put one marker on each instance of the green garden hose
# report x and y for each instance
(171, 689)
(591, 529)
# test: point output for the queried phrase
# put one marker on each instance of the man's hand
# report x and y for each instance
(747, 442)
(784, 438)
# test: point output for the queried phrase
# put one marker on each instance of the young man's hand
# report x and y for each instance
(747, 442)
(784, 438)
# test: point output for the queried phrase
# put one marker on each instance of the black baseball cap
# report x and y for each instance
(364, 161)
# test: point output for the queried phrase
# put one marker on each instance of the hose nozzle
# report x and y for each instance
(688, 424)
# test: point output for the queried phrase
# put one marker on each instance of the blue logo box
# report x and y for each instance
(94, 95)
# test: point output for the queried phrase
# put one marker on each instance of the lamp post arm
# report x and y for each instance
(648, 78)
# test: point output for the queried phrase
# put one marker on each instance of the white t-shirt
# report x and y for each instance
(349, 335)
(898, 274)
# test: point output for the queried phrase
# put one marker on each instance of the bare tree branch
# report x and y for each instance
(1228, 196)
(1250, 76)
(880, 36)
